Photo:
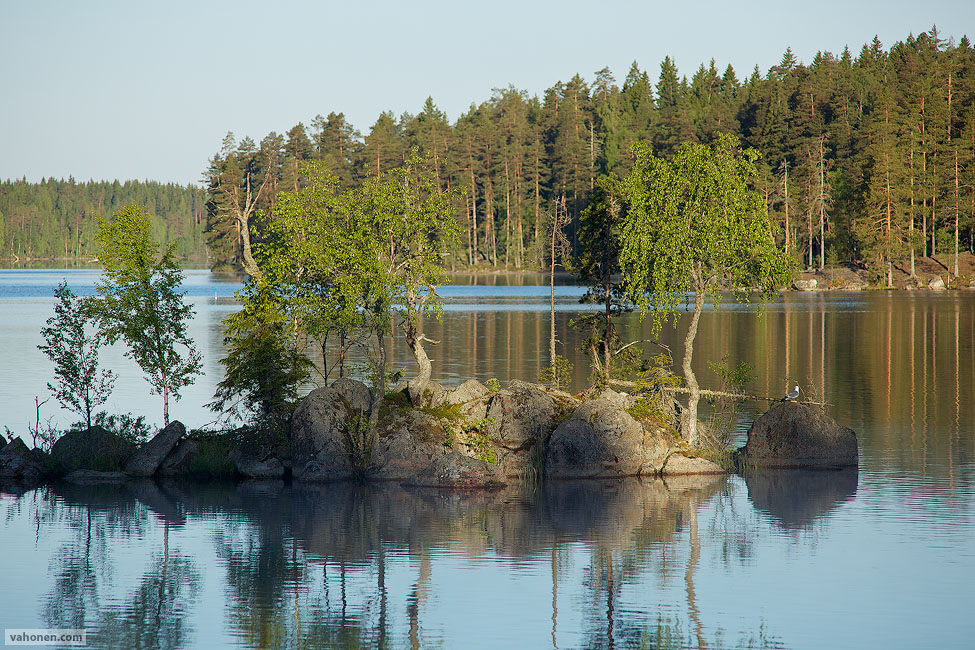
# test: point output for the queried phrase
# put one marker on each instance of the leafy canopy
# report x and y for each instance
(71, 342)
(141, 303)
(696, 224)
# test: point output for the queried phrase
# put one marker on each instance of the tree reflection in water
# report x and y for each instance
(350, 566)
(85, 594)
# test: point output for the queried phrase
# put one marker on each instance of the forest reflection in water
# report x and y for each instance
(899, 368)
(589, 564)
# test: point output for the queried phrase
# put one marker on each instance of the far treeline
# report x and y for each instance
(867, 159)
(57, 219)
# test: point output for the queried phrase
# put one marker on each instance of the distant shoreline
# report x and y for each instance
(843, 277)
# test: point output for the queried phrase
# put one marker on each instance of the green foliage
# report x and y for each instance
(449, 412)
(651, 397)
(597, 265)
(696, 224)
(127, 426)
(720, 426)
(142, 305)
(58, 218)
(213, 459)
(71, 342)
(558, 375)
(479, 441)
(264, 366)
(493, 384)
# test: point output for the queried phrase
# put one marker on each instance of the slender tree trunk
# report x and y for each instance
(470, 247)
(551, 285)
(414, 340)
(689, 423)
(956, 212)
(377, 399)
(786, 193)
(822, 205)
(489, 219)
(934, 195)
(910, 223)
(507, 215)
(888, 205)
(470, 157)
(165, 396)
(537, 197)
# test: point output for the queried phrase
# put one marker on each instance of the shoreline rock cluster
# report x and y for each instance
(468, 437)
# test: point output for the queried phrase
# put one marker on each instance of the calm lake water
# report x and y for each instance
(883, 557)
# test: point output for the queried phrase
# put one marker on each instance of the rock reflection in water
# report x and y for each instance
(380, 565)
(797, 498)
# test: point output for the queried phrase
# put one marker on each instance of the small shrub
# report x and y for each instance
(479, 441)
(127, 426)
(558, 375)
(493, 384)
(213, 460)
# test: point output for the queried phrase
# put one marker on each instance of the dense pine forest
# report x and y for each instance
(865, 159)
(56, 219)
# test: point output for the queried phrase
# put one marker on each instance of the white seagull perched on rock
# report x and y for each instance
(792, 394)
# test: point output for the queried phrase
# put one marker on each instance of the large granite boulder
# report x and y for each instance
(458, 471)
(793, 435)
(602, 440)
(150, 456)
(256, 468)
(20, 463)
(469, 391)
(519, 418)
(180, 460)
(95, 448)
(321, 428)
(407, 441)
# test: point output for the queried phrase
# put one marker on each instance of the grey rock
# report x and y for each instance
(620, 400)
(94, 448)
(150, 456)
(602, 440)
(806, 285)
(798, 435)
(937, 283)
(459, 472)
(407, 441)
(19, 463)
(519, 418)
(320, 430)
(434, 394)
(180, 459)
(469, 391)
(680, 465)
(267, 468)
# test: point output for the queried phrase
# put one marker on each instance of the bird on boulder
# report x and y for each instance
(791, 395)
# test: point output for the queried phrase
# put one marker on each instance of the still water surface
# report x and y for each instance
(879, 558)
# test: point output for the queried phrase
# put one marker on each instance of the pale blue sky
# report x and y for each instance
(106, 89)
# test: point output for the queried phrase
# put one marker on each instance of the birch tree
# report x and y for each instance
(696, 225)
